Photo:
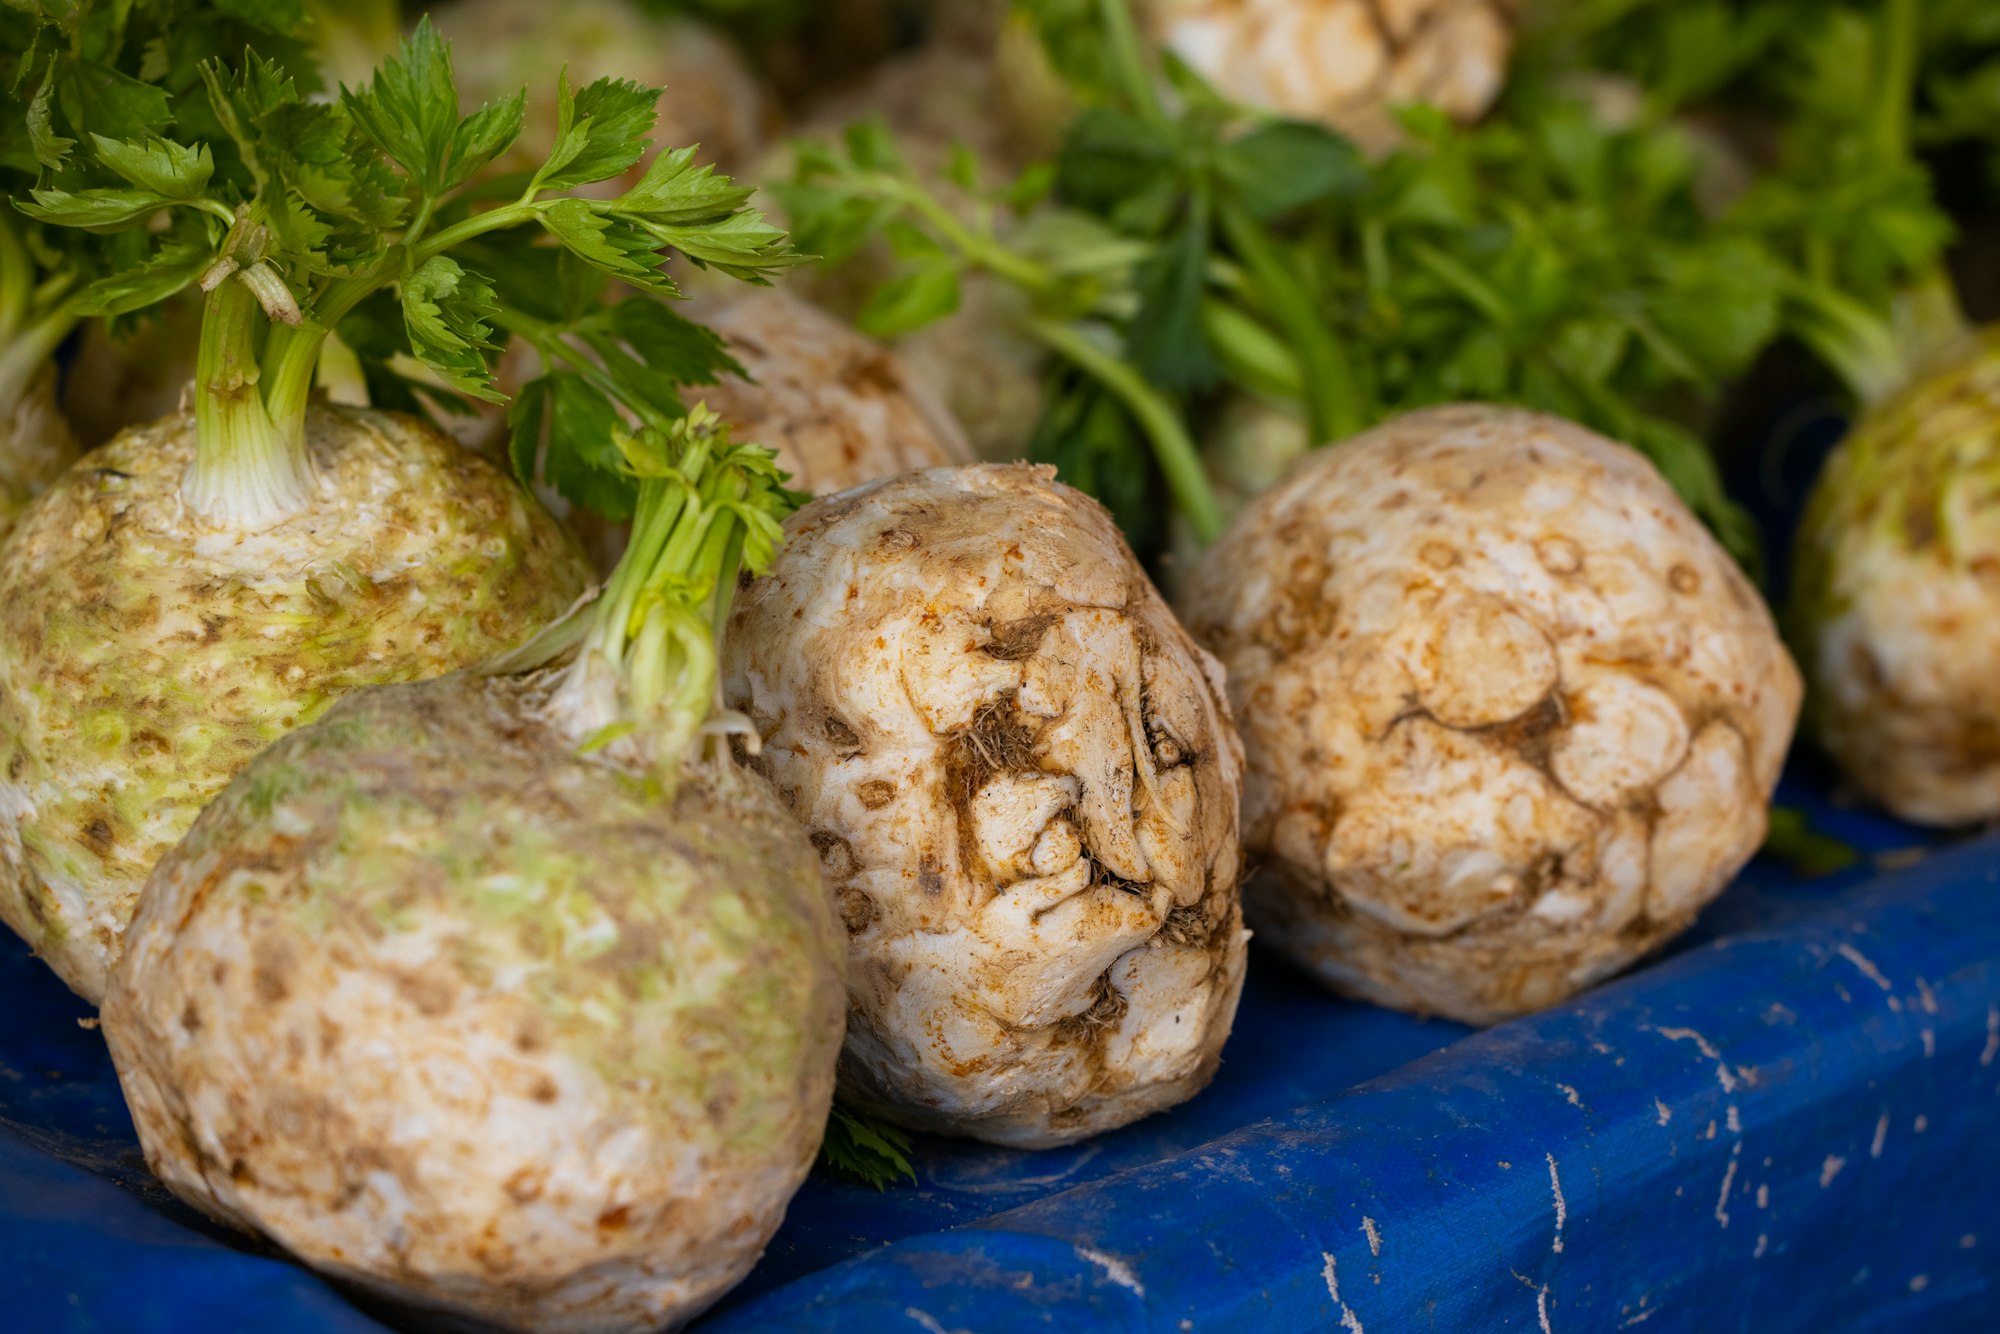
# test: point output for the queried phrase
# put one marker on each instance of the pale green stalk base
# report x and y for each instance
(251, 468)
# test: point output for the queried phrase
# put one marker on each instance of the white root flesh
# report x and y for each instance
(1023, 781)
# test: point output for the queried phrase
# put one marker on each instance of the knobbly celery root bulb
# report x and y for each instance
(1513, 716)
(507, 997)
(713, 98)
(1897, 596)
(955, 90)
(146, 655)
(838, 407)
(1348, 63)
(200, 587)
(530, 1052)
(1022, 779)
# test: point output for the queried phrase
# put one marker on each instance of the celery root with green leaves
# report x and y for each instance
(195, 589)
(1472, 809)
(1895, 600)
(93, 63)
(589, 977)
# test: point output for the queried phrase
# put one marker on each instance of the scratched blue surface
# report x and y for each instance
(1793, 1122)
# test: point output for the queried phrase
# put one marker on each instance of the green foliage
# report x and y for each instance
(1854, 88)
(1079, 47)
(600, 133)
(1793, 841)
(93, 210)
(583, 465)
(1960, 78)
(1822, 58)
(1545, 259)
(410, 113)
(617, 247)
(173, 265)
(865, 1150)
(1847, 99)
(1283, 166)
(1553, 262)
(604, 361)
(707, 511)
(320, 204)
(87, 96)
(167, 169)
(1093, 443)
(445, 310)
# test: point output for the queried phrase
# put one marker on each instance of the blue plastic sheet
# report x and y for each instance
(1792, 1123)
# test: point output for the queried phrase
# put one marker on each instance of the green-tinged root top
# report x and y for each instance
(573, 1038)
(1920, 471)
(1896, 595)
(145, 658)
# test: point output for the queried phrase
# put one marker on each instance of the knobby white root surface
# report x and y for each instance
(1023, 781)
(1347, 63)
(1513, 716)
(840, 408)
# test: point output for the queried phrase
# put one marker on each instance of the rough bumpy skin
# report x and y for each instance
(1512, 715)
(452, 1012)
(1345, 62)
(36, 444)
(144, 658)
(713, 98)
(1897, 597)
(839, 408)
(1023, 781)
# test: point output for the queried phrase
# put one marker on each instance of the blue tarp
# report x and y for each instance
(1792, 1123)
